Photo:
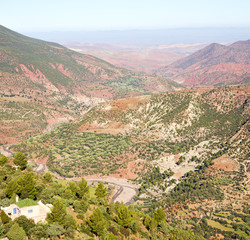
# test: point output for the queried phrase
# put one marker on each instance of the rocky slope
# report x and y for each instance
(215, 65)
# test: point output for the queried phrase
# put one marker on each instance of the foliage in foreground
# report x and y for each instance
(76, 213)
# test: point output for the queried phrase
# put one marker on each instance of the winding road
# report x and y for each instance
(125, 192)
(40, 168)
(5, 151)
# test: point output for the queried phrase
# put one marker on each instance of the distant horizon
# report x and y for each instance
(147, 37)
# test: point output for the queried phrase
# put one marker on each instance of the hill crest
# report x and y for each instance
(215, 65)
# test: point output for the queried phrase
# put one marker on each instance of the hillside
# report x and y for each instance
(60, 82)
(185, 149)
(214, 65)
(48, 66)
(155, 127)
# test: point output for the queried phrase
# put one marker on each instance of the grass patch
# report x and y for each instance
(26, 203)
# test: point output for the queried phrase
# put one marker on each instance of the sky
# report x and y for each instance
(93, 15)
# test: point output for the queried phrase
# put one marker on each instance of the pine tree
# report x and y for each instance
(159, 215)
(3, 159)
(101, 191)
(58, 213)
(47, 177)
(123, 216)
(26, 186)
(97, 223)
(83, 188)
(16, 233)
(68, 194)
(11, 188)
(20, 160)
(147, 221)
(4, 217)
(80, 206)
(73, 188)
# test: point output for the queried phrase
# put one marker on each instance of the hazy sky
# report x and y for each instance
(50, 15)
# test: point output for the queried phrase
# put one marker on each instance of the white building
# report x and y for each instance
(29, 208)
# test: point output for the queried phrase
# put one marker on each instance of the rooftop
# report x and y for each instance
(26, 203)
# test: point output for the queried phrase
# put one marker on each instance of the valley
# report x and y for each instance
(125, 155)
(137, 58)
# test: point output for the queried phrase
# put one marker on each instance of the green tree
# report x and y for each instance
(5, 202)
(58, 213)
(47, 177)
(38, 232)
(11, 188)
(55, 230)
(1, 229)
(159, 215)
(68, 194)
(80, 206)
(16, 233)
(70, 223)
(20, 160)
(73, 188)
(97, 222)
(25, 223)
(101, 191)
(4, 217)
(83, 188)
(3, 159)
(123, 216)
(26, 186)
(147, 221)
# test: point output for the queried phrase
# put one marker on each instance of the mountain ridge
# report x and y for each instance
(61, 83)
(215, 65)
(61, 68)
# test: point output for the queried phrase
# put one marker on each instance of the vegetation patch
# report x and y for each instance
(26, 203)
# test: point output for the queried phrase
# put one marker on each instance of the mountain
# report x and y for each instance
(58, 83)
(52, 67)
(214, 65)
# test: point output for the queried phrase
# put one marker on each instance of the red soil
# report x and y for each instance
(225, 163)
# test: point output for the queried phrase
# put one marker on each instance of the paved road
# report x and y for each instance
(40, 168)
(116, 195)
(126, 191)
(5, 151)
